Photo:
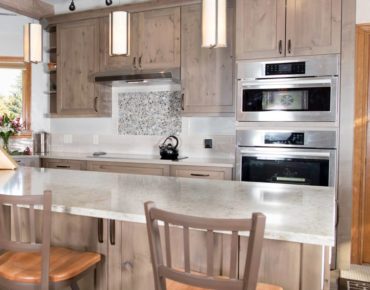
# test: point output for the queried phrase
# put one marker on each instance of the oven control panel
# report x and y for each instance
(291, 68)
(290, 138)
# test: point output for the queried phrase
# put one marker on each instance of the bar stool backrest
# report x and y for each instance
(16, 242)
(162, 271)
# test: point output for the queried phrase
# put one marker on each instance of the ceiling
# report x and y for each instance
(61, 6)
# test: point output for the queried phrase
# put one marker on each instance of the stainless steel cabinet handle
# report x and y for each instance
(96, 104)
(182, 101)
(140, 59)
(100, 231)
(112, 232)
(280, 46)
(199, 175)
(134, 63)
(289, 46)
(63, 166)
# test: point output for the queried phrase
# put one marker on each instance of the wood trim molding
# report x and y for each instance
(360, 138)
(18, 62)
(135, 7)
(31, 8)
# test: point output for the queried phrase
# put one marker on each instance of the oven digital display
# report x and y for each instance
(284, 138)
(291, 68)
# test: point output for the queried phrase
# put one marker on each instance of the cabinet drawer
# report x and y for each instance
(202, 172)
(64, 164)
(28, 162)
(129, 168)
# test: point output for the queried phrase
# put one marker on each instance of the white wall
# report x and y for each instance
(362, 11)
(11, 34)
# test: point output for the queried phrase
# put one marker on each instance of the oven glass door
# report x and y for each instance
(312, 169)
(312, 99)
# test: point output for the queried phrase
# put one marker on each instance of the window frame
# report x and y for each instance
(18, 62)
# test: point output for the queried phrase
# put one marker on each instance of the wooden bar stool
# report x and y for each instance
(32, 265)
(170, 278)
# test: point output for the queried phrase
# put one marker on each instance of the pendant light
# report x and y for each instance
(119, 33)
(32, 42)
(214, 23)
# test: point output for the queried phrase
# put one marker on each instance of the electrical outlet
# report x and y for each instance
(208, 143)
(67, 139)
(95, 139)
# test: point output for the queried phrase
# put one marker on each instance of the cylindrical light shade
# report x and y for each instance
(119, 33)
(32, 42)
(214, 23)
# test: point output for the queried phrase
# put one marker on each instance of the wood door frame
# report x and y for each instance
(362, 99)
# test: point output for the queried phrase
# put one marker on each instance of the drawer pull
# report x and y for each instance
(63, 166)
(199, 175)
(112, 232)
(100, 231)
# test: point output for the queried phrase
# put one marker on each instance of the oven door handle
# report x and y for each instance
(285, 154)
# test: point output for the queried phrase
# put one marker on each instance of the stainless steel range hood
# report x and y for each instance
(127, 77)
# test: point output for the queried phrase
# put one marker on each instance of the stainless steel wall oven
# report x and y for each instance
(293, 90)
(289, 157)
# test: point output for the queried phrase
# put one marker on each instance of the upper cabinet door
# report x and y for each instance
(206, 74)
(78, 55)
(159, 38)
(313, 27)
(108, 62)
(260, 28)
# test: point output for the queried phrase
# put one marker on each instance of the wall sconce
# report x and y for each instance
(214, 23)
(32, 42)
(119, 33)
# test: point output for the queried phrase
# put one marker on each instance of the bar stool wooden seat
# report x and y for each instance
(32, 265)
(167, 277)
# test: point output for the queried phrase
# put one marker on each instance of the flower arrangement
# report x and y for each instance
(9, 126)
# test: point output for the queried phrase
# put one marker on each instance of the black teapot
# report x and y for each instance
(167, 150)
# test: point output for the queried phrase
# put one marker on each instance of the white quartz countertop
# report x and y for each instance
(136, 158)
(294, 213)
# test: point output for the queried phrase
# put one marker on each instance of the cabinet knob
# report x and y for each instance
(100, 231)
(127, 265)
(289, 46)
(140, 59)
(280, 46)
(182, 101)
(96, 104)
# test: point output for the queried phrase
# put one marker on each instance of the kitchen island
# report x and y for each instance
(104, 212)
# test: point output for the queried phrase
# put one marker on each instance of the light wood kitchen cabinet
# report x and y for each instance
(260, 28)
(159, 39)
(108, 62)
(64, 164)
(206, 74)
(78, 58)
(277, 28)
(203, 172)
(313, 27)
(130, 168)
(154, 41)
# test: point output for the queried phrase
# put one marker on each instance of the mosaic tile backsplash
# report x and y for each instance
(154, 113)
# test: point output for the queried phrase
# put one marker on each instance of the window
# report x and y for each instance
(15, 89)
